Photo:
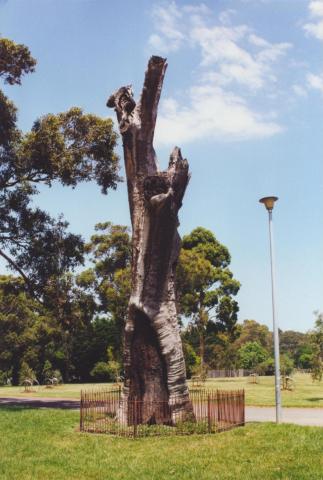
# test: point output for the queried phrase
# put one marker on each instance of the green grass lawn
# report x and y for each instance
(70, 390)
(306, 393)
(45, 444)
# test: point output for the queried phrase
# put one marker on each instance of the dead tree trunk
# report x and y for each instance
(153, 354)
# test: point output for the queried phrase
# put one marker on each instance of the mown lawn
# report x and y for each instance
(69, 390)
(45, 444)
(306, 394)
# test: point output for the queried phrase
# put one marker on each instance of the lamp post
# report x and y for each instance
(269, 204)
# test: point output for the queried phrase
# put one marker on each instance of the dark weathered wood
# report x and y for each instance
(153, 354)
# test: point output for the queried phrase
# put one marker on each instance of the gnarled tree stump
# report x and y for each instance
(153, 354)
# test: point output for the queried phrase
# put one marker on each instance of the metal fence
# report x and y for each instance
(104, 411)
(241, 372)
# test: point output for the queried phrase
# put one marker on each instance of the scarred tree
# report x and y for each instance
(153, 354)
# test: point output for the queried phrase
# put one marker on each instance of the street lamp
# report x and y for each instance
(269, 204)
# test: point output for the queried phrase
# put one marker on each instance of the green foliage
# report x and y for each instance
(68, 147)
(317, 368)
(26, 373)
(15, 61)
(286, 364)
(201, 370)
(114, 369)
(107, 371)
(252, 331)
(100, 372)
(29, 333)
(267, 367)
(295, 344)
(48, 371)
(5, 378)
(305, 360)
(57, 374)
(192, 360)
(317, 343)
(205, 285)
(251, 354)
(109, 281)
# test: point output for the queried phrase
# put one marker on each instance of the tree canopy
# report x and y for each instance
(206, 286)
(67, 147)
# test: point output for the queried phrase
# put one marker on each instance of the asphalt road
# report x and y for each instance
(300, 416)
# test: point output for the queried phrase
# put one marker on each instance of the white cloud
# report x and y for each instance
(201, 9)
(315, 28)
(232, 57)
(169, 37)
(210, 113)
(226, 16)
(224, 47)
(316, 8)
(299, 90)
(315, 81)
(258, 41)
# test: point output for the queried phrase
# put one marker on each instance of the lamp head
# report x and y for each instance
(268, 202)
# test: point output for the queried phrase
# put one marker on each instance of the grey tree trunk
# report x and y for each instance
(153, 354)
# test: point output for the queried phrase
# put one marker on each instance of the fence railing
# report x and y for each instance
(241, 372)
(104, 411)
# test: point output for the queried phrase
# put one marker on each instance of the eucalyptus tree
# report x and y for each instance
(107, 282)
(68, 147)
(206, 286)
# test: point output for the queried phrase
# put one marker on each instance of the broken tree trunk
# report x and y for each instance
(153, 355)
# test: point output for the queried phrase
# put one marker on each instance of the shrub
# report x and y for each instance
(47, 371)
(5, 378)
(286, 365)
(26, 373)
(100, 372)
(192, 360)
(57, 374)
(267, 367)
(114, 369)
(251, 354)
(306, 360)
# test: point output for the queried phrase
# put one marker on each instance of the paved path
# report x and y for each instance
(301, 416)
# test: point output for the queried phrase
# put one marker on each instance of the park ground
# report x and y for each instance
(39, 444)
(306, 393)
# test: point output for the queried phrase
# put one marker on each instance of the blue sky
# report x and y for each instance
(243, 98)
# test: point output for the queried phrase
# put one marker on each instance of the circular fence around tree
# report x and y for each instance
(105, 411)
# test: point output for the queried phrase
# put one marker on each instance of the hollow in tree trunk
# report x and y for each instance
(153, 355)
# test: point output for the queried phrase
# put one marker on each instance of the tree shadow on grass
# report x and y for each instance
(315, 399)
(14, 409)
(39, 403)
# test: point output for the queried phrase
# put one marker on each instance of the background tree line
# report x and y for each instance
(82, 339)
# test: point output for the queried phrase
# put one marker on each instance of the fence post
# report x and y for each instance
(209, 414)
(81, 412)
(135, 417)
(243, 408)
(218, 409)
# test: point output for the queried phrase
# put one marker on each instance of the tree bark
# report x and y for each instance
(153, 355)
